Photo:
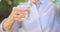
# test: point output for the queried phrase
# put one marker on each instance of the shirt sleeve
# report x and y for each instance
(14, 28)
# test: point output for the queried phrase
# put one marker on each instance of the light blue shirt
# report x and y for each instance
(43, 18)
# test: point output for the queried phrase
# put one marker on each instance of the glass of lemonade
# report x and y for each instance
(26, 6)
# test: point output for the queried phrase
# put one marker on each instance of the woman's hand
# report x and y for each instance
(16, 14)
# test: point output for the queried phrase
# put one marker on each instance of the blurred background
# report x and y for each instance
(6, 7)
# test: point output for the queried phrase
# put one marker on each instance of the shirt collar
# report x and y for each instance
(41, 2)
(38, 3)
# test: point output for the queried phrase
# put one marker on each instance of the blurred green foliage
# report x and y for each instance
(6, 7)
(55, 1)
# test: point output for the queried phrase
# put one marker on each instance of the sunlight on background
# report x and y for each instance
(0, 0)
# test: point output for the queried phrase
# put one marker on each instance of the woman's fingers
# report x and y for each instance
(18, 13)
(19, 16)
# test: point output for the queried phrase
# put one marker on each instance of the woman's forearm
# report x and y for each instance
(7, 25)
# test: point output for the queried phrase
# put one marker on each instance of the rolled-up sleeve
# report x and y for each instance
(14, 28)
